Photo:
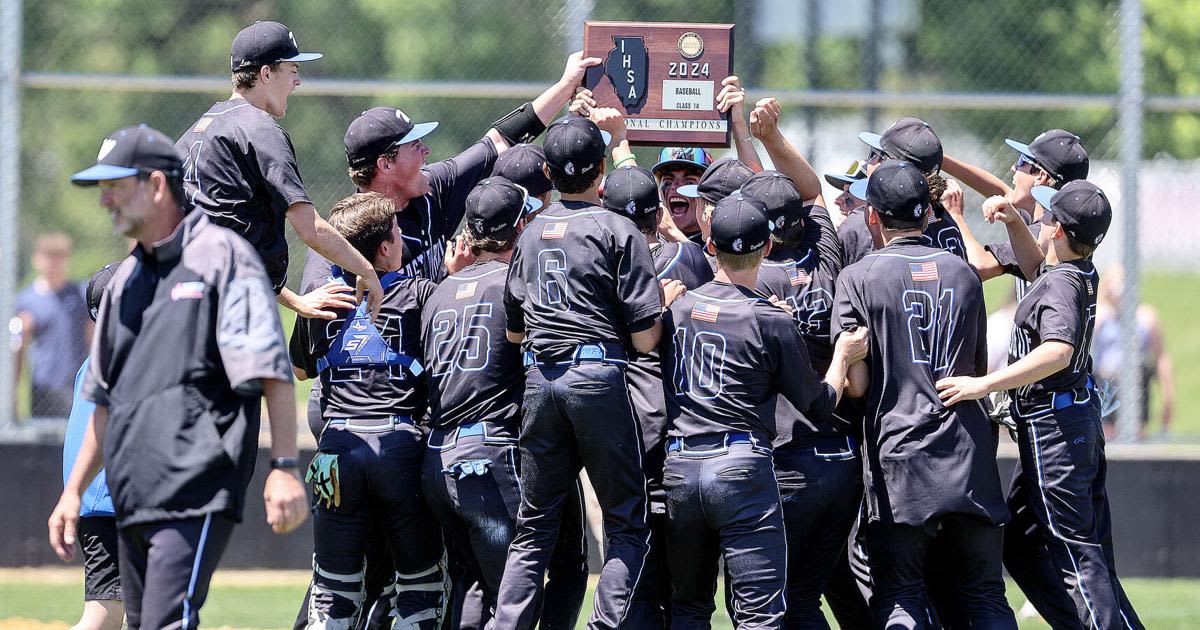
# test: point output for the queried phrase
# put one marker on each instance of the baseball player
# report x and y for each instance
(727, 352)
(386, 155)
(471, 464)
(96, 529)
(816, 460)
(367, 470)
(240, 168)
(178, 421)
(719, 180)
(914, 141)
(1054, 158)
(845, 202)
(929, 470)
(1056, 408)
(581, 291)
(632, 192)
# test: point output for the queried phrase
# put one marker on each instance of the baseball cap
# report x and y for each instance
(909, 139)
(96, 286)
(1058, 152)
(740, 225)
(631, 191)
(129, 151)
(896, 189)
(264, 44)
(856, 171)
(496, 203)
(785, 207)
(719, 180)
(522, 165)
(379, 129)
(574, 145)
(681, 157)
(1081, 208)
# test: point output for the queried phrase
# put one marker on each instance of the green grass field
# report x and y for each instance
(270, 600)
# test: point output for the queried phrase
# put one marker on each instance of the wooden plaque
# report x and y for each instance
(665, 77)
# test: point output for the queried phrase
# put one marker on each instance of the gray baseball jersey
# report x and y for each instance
(727, 352)
(475, 374)
(1059, 306)
(580, 274)
(924, 308)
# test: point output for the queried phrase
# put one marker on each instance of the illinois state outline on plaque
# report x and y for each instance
(627, 69)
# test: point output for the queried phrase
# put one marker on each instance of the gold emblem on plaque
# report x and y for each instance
(691, 45)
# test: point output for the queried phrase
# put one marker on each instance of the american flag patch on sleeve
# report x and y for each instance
(466, 290)
(797, 276)
(557, 229)
(705, 312)
(924, 271)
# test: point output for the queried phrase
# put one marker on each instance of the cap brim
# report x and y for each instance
(859, 189)
(667, 164)
(871, 139)
(419, 130)
(532, 204)
(837, 180)
(101, 173)
(302, 57)
(1043, 195)
(1019, 147)
(606, 136)
(691, 190)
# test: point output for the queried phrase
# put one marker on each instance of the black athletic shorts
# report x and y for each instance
(97, 536)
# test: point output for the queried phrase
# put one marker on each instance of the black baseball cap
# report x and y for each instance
(1081, 208)
(896, 189)
(129, 151)
(574, 145)
(693, 158)
(379, 129)
(264, 44)
(522, 165)
(856, 171)
(909, 139)
(631, 191)
(1057, 152)
(740, 225)
(96, 286)
(719, 180)
(496, 203)
(785, 207)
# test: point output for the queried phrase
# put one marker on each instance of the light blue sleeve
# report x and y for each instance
(96, 500)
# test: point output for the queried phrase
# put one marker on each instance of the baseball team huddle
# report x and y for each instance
(748, 389)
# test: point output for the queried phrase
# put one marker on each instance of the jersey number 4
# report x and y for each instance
(930, 326)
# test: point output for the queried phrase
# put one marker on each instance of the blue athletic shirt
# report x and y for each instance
(96, 499)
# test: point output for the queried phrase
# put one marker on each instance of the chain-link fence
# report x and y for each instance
(978, 71)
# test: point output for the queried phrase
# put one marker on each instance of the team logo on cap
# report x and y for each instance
(631, 207)
(106, 147)
(402, 116)
(569, 168)
(736, 245)
(293, 39)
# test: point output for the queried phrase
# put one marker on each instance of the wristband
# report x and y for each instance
(746, 139)
(623, 160)
(278, 463)
(521, 125)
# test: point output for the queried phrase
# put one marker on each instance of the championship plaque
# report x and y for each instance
(665, 77)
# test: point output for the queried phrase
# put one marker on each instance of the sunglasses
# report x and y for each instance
(1025, 165)
(875, 156)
